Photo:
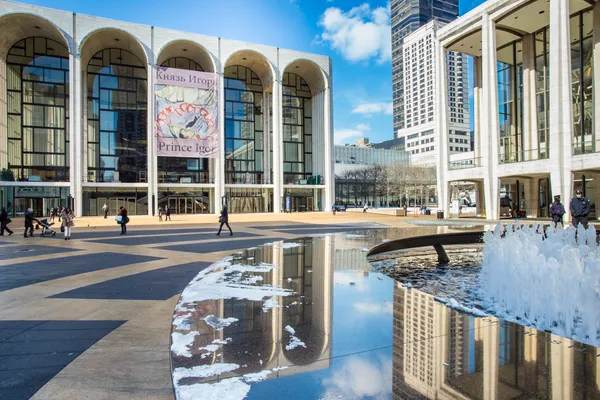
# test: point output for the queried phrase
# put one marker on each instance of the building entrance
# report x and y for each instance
(186, 205)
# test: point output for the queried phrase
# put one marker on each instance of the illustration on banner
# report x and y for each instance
(186, 123)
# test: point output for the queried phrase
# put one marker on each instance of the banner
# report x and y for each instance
(186, 120)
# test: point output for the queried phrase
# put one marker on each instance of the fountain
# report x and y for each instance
(550, 280)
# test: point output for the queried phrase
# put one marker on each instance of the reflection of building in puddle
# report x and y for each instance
(443, 354)
(351, 260)
(259, 337)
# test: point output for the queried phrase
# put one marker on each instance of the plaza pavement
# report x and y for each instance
(90, 318)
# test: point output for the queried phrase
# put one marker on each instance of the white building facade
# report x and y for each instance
(77, 119)
(535, 103)
(420, 97)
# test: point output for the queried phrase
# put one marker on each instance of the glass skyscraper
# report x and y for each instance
(408, 16)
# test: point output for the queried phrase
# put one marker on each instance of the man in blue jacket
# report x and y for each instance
(580, 208)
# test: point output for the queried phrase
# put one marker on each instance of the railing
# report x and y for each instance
(302, 179)
(523, 156)
(473, 162)
(585, 146)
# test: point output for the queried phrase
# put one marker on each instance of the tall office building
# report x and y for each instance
(408, 16)
(420, 114)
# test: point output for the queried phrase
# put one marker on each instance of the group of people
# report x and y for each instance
(580, 208)
(166, 212)
(66, 217)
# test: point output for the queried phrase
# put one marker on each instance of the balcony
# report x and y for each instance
(508, 157)
(471, 162)
(585, 146)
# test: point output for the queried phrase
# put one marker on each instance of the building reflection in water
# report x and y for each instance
(258, 338)
(440, 353)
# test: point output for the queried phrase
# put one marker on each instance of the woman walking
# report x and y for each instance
(124, 220)
(4, 221)
(167, 214)
(67, 222)
(224, 220)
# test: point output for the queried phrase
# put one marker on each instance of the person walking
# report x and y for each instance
(52, 212)
(67, 222)
(580, 209)
(4, 221)
(105, 209)
(557, 210)
(224, 220)
(160, 213)
(334, 209)
(124, 220)
(29, 222)
(167, 213)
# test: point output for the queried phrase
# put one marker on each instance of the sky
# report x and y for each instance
(354, 33)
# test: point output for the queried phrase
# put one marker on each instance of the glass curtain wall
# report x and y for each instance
(297, 129)
(510, 102)
(37, 79)
(542, 73)
(116, 117)
(582, 71)
(244, 137)
(182, 169)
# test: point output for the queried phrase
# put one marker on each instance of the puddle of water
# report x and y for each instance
(350, 332)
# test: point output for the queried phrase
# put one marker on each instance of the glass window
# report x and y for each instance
(297, 127)
(117, 141)
(243, 126)
(582, 71)
(37, 107)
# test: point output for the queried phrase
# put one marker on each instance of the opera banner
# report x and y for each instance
(186, 113)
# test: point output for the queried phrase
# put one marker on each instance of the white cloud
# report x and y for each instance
(374, 308)
(342, 135)
(358, 378)
(374, 108)
(358, 34)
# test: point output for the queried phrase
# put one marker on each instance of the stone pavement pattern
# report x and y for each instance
(91, 317)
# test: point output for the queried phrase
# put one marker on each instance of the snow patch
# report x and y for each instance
(286, 245)
(270, 303)
(180, 343)
(219, 341)
(227, 389)
(219, 323)
(203, 371)
(294, 341)
(354, 236)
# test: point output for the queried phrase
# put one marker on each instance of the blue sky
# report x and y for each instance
(354, 33)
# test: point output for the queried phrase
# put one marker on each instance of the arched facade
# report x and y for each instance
(84, 87)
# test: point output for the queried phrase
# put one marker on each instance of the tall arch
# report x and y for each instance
(34, 140)
(116, 122)
(304, 131)
(171, 171)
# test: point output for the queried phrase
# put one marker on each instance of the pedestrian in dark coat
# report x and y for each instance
(29, 222)
(224, 220)
(168, 214)
(124, 220)
(4, 221)
(557, 210)
(580, 209)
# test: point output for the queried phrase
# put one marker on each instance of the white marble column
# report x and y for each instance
(219, 163)
(151, 171)
(76, 139)
(441, 134)
(489, 118)
(561, 111)
(277, 148)
(477, 107)
(530, 136)
(329, 149)
(266, 139)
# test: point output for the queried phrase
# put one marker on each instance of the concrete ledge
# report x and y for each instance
(396, 212)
